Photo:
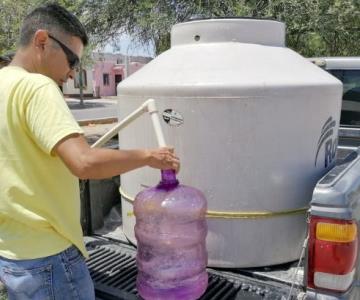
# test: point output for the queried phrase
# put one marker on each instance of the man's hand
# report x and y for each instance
(163, 158)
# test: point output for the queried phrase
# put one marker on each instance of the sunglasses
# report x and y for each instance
(71, 57)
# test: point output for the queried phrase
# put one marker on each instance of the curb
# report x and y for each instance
(97, 121)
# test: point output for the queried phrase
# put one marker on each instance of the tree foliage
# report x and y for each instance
(11, 15)
(320, 27)
(314, 27)
(13, 12)
(338, 25)
(148, 20)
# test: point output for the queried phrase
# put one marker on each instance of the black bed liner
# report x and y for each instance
(113, 270)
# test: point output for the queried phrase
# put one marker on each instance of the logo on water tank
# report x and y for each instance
(172, 117)
(328, 141)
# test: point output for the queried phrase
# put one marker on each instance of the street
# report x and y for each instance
(93, 109)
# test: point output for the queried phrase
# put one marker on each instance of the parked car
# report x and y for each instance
(347, 69)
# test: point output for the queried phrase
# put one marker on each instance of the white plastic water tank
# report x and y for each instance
(255, 125)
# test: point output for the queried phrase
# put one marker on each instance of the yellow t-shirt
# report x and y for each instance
(39, 197)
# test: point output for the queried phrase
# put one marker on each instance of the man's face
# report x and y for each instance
(59, 56)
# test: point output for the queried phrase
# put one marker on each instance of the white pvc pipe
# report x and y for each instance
(147, 106)
(156, 122)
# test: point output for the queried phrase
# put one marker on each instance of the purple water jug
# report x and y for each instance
(171, 231)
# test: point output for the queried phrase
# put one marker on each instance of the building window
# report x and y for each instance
(106, 79)
(77, 79)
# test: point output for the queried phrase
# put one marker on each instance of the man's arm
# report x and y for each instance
(93, 163)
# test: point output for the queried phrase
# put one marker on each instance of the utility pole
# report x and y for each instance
(127, 66)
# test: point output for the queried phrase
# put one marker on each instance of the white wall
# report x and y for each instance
(69, 87)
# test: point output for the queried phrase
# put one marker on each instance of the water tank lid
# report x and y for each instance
(242, 30)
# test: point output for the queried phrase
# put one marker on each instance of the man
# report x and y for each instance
(42, 152)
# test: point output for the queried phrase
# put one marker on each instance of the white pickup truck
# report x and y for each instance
(329, 267)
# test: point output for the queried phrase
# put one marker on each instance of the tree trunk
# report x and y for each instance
(81, 86)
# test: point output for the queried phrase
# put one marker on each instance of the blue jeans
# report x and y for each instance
(63, 276)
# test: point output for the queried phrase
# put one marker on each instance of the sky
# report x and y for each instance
(125, 45)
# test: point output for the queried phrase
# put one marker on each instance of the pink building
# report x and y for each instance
(110, 69)
(102, 78)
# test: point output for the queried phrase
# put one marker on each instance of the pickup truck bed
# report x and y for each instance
(112, 267)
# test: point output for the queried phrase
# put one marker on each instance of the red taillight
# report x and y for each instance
(333, 247)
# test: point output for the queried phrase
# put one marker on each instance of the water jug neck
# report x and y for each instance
(168, 179)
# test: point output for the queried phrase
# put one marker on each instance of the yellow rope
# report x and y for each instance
(234, 215)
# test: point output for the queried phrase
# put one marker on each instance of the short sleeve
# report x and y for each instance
(48, 117)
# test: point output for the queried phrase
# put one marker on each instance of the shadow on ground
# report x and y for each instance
(87, 104)
(112, 143)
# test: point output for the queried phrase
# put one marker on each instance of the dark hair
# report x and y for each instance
(51, 17)
(6, 59)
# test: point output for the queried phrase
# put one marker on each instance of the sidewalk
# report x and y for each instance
(93, 111)
(90, 101)
(96, 117)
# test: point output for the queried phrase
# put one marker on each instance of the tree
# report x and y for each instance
(319, 27)
(147, 20)
(338, 26)
(11, 16)
(314, 27)
(85, 61)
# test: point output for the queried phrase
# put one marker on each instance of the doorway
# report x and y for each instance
(118, 79)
